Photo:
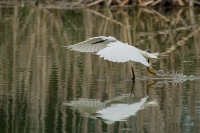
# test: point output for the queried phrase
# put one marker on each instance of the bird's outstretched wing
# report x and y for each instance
(94, 44)
(120, 52)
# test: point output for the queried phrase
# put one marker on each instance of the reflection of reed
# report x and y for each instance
(37, 74)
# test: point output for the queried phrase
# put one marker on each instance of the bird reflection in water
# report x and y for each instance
(116, 109)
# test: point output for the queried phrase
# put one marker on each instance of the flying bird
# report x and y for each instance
(113, 50)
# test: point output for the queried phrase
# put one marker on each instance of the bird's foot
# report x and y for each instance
(151, 71)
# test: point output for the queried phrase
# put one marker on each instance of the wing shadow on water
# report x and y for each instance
(116, 109)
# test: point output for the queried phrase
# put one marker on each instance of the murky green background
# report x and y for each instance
(45, 87)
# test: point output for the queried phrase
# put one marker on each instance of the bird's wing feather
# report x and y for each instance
(87, 46)
(120, 52)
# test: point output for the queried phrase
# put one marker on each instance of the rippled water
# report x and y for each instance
(45, 87)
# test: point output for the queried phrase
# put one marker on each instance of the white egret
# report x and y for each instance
(113, 50)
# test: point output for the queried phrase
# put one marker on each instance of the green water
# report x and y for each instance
(45, 87)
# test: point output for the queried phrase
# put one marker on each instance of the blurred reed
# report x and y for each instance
(35, 67)
(107, 3)
(142, 3)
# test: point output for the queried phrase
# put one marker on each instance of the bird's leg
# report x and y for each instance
(148, 62)
(133, 74)
(148, 51)
(133, 86)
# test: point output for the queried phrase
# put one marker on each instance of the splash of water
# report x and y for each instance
(167, 74)
(174, 76)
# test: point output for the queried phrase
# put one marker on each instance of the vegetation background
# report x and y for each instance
(108, 3)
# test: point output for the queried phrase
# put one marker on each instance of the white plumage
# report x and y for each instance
(120, 52)
(113, 50)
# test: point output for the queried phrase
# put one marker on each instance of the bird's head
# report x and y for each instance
(148, 51)
(111, 39)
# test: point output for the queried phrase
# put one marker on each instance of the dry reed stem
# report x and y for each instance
(180, 42)
(125, 14)
(155, 3)
(118, 1)
(180, 2)
(152, 11)
(114, 21)
(147, 3)
(95, 3)
(123, 3)
(108, 3)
